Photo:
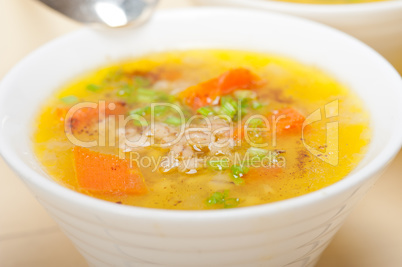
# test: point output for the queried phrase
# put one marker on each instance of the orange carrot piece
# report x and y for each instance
(236, 79)
(200, 95)
(87, 116)
(208, 92)
(83, 117)
(105, 173)
(292, 121)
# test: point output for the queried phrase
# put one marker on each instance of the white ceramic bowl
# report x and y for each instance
(379, 24)
(287, 233)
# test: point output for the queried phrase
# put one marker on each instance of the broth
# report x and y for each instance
(227, 88)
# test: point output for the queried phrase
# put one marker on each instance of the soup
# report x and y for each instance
(331, 1)
(201, 129)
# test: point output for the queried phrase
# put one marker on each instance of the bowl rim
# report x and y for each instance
(317, 9)
(30, 176)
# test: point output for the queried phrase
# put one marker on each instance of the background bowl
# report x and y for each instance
(379, 24)
(287, 233)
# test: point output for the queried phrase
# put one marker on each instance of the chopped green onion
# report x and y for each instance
(173, 121)
(93, 87)
(228, 110)
(217, 197)
(150, 95)
(245, 103)
(138, 123)
(71, 99)
(245, 94)
(238, 172)
(228, 106)
(256, 105)
(140, 111)
(228, 99)
(166, 97)
(206, 111)
(160, 110)
(219, 164)
(221, 198)
(146, 95)
(256, 123)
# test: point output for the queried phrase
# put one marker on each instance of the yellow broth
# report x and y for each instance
(286, 84)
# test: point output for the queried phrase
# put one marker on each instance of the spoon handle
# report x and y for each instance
(112, 13)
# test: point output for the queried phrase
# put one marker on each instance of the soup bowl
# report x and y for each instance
(378, 23)
(287, 233)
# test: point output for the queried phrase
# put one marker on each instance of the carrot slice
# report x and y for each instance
(236, 79)
(105, 173)
(85, 117)
(200, 95)
(291, 122)
(208, 92)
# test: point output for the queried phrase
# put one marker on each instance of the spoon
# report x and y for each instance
(112, 13)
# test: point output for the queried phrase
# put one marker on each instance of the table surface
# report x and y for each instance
(371, 236)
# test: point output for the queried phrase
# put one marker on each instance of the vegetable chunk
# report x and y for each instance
(85, 117)
(106, 173)
(291, 121)
(208, 92)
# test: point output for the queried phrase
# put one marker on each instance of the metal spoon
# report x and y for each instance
(112, 13)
